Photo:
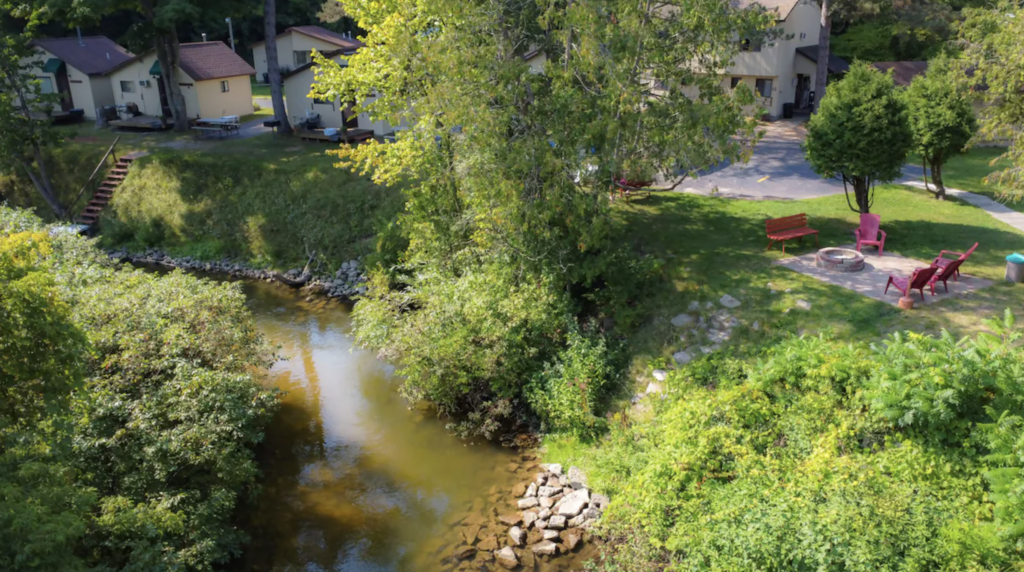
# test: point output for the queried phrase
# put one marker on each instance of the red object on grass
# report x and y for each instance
(869, 233)
(942, 262)
(785, 228)
(922, 277)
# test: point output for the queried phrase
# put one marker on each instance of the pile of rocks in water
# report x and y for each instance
(347, 283)
(551, 517)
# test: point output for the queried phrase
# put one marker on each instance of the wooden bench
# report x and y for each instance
(785, 228)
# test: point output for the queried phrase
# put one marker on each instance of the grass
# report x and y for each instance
(261, 112)
(714, 246)
(261, 90)
(967, 173)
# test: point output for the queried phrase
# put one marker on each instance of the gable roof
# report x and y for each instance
(212, 60)
(309, 64)
(322, 34)
(98, 56)
(902, 72)
(836, 64)
(781, 7)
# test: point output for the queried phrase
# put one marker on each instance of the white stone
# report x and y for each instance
(544, 513)
(694, 306)
(527, 503)
(506, 557)
(550, 534)
(682, 358)
(531, 491)
(774, 292)
(788, 290)
(682, 320)
(545, 492)
(755, 326)
(552, 468)
(769, 285)
(540, 524)
(545, 547)
(517, 535)
(728, 301)
(557, 522)
(803, 304)
(654, 387)
(600, 502)
(577, 521)
(573, 503)
(660, 375)
(576, 475)
(529, 517)
(546, 503)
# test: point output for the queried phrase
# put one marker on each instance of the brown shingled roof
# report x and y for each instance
(902, 72)
(782, 7)
(322, 34)
(99, 54)
(212, 60)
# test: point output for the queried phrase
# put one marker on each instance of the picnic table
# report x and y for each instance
(222, 126)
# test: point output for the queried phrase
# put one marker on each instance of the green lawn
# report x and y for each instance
(261, 90)
(713, 246)
(967, 172)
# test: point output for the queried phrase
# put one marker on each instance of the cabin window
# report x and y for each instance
(300, 58)
(224, 87)
(750, 46)
(733, 82)
(319, 101)
(127, 86)
(763, 87)
(45, 85)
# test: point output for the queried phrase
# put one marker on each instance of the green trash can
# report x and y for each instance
(1015, 267)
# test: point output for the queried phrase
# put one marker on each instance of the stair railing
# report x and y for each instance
(110, 152)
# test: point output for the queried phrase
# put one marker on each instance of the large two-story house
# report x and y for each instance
(782, 71)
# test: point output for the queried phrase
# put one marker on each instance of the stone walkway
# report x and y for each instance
(998, 211)
(871, 281)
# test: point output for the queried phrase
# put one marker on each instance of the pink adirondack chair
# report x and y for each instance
(922, 277)
(946, 272)
(869, 233)
(943, 262)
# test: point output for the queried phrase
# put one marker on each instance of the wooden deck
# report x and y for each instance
(142, 122)
(350, 136)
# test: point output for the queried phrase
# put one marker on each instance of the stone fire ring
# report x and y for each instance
(839, 260)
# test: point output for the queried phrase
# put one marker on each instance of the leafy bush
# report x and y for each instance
(826, 456)
(143, 466)
(565, 394)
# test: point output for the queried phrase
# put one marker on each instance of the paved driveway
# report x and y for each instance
(776, 170)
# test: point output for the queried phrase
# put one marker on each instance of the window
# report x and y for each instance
(319, 101)
(803, 35)
(763, 87)
(127, 87)
(300, 58)
(750, 46)
(734, 82)
(45, 85)
(224, 87)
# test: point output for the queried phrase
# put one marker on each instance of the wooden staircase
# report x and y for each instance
(91, 214)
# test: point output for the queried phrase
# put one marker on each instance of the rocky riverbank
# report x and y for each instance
(541, 522)
(345, 284)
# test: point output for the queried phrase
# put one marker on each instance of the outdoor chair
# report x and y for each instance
(922, 277)
(869, 234)
(942, 262)
(946, 272)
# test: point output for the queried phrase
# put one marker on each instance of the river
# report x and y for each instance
(353, 479)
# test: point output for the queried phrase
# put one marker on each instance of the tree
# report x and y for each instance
(273, 67)
(25, 129)
(507, 231)
(941, 119)
(991, 66)
(860, 133)
(831, 9)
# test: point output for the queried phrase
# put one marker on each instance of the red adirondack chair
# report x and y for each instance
(922, 277)
(946, 272)
(942, 262)
(869, 233)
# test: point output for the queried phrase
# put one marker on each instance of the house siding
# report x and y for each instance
(213, 103)
(202, 98)
(82, 88)
(286, 46)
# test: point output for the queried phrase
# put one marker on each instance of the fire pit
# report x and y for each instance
(840, 260)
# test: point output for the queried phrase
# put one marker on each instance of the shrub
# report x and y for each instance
(567, 392)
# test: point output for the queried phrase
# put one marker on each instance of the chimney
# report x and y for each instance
(204, 36)
(108, 56)
(80, 41)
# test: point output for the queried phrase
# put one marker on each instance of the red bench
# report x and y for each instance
(785, 228)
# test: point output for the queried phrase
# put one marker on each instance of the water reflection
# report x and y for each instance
(353, 480)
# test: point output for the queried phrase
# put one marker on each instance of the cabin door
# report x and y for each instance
(64, 89)
(165, 108)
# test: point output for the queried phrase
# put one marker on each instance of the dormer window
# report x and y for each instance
(750, 46)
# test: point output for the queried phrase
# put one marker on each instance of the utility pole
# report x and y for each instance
(231, 32)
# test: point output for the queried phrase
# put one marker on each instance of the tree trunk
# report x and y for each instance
(273, 67)
(940, 189)
(821, 73)
(169, 55)
(861, 191)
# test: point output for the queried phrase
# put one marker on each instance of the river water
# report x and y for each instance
(355, 480)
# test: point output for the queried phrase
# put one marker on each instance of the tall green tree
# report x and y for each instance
(992, 67)
(25, 126)
(831, 10)
(273, 66)
(510, 162)
(941, 119)
(860, 134)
